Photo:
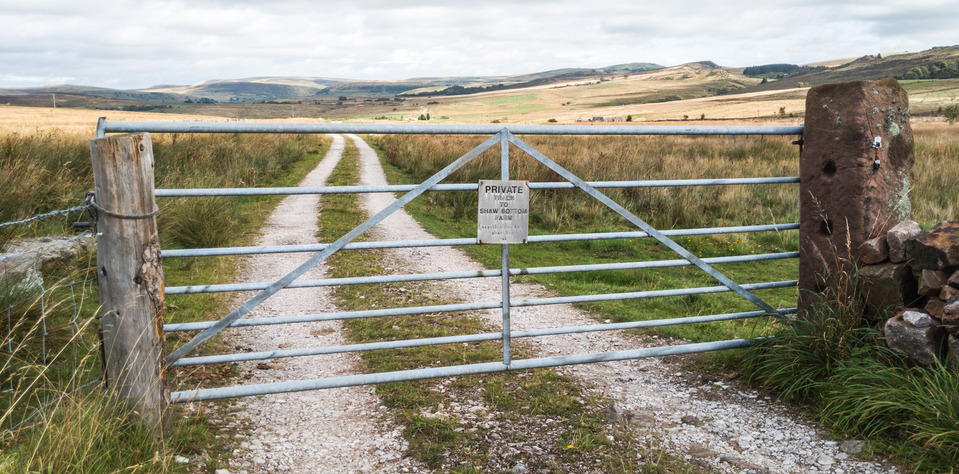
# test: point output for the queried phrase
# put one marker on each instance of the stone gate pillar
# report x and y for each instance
(855, 169)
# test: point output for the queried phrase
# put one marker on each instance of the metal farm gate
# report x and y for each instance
(502, 135)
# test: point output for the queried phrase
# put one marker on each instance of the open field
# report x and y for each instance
(82, 121)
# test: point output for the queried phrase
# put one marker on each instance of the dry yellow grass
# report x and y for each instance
(83, 121)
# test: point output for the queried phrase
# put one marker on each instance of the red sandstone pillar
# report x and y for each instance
(855, 170)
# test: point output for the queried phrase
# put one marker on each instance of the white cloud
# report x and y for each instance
(136, 44)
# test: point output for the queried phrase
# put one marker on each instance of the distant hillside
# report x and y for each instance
(96, 92)
(270, 88)
(901, 66)
(660, 84)
(532, 80)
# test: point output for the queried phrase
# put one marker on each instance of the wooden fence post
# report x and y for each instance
(130, 276)
(854, 170)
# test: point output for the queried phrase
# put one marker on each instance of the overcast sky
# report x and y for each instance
(137, 44)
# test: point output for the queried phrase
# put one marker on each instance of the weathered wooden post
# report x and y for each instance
(854, 170)
(130, 276)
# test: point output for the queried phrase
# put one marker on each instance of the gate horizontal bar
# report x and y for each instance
(493, 336)
(401, 188)
(187, 396)
(647, 294)
(110, 126)
(378, 279)
(307, 318)
(337, 316)
(390, 244)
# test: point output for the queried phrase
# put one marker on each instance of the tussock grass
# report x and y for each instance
(54, 415)
(88, 433)
(811, 348)
(835, 361)
(913, 409)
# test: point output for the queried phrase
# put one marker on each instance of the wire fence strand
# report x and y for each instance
(46, 215)
(51, 350)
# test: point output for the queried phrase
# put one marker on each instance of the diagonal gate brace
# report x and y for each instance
(579, 183)
(278, 285)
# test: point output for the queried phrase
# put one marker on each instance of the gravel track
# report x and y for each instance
(714, 424)
(337, 430)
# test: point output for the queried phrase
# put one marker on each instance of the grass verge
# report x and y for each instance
(53, 348)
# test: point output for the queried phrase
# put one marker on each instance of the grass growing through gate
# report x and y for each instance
(414, 158)
(53, 343)
(516, 407)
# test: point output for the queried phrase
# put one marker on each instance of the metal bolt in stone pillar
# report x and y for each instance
(855, 170)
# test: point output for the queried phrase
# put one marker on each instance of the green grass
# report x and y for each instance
(521, 406)
(566, 211)
(836, 363)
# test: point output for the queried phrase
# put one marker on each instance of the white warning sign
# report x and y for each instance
(503, 212)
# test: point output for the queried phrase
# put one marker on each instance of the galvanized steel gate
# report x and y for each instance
(504, 136)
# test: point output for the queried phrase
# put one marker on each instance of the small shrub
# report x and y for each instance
(952, 113)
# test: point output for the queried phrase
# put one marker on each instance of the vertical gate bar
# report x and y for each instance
(504, 252)
(10, 357)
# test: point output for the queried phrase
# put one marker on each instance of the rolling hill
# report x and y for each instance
(868, 68)
(641, 91)
(270, 88)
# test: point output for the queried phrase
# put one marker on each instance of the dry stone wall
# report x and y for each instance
(919, 283)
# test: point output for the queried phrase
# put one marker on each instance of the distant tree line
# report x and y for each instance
(137, 108)
(936, 70)
(777, 71)
(460, 90)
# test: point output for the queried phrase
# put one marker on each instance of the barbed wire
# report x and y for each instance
(46, 215)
